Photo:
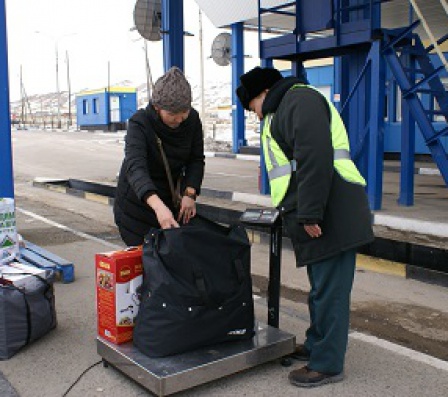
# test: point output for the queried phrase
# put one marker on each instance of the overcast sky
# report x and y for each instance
(94, 32)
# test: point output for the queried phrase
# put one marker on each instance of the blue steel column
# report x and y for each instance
(376, 129)
(238, 123)
(6, 173)
(337, 81)
(355, 105)
(406, 196)
(264, 180)
(298, 70)
(173, 36)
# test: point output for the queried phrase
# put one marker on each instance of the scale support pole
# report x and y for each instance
(275, 256)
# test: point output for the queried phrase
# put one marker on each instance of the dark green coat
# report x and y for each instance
(317, 193)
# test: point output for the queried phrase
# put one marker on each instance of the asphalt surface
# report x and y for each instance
(397, 346)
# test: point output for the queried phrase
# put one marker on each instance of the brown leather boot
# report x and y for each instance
(301, 353)
(306, 377)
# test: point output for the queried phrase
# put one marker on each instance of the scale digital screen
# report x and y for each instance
(260, 216)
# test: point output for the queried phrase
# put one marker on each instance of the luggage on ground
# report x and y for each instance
(26, 313)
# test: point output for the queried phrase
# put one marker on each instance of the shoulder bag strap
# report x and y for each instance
(168, 172)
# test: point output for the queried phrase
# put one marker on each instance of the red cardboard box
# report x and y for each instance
(118, 275)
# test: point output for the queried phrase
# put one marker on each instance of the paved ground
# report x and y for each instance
(399, 327)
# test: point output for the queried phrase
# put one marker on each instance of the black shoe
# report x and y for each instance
(301, 353)
(306, 377)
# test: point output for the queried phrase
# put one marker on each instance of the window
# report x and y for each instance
(386, 106)
(398, 104)
(325, 90)
(399, 101)
(85, 106)
(95, 106)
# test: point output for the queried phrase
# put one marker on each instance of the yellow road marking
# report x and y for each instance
(380, 265)
(97, 197)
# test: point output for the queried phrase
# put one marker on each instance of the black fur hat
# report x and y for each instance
(254, 82)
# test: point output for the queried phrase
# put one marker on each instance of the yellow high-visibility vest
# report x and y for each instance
(280, 168)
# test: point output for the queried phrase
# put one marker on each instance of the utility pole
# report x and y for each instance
(69, 91)
(149, 83)
(29, 105)
(57, 84)
(201, 63)
(22, 100)
(108, 96)
(58, 91)
(42, 119)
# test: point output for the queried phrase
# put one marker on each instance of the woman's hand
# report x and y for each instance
(164, 215)
(187, 209)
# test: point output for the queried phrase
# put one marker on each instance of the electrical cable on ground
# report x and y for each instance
(80, 376)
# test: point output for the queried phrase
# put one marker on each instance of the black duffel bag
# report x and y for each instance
(196, 290)
(26, 314)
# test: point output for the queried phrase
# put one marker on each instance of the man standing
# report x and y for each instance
(321, 196)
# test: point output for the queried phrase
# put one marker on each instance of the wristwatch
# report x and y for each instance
(190, 192)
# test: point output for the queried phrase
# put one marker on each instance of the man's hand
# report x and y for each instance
(313, 231)
(164, 215)
(187, 209)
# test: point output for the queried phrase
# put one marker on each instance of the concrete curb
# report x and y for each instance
(417, 171)
(246, 157)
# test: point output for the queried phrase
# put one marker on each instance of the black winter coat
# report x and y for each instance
(317, 193)
(143, 170)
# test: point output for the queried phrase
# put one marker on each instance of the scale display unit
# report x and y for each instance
(168, 375)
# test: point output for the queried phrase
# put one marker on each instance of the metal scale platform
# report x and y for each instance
(168, 375)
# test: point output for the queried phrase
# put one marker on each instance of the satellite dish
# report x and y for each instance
(147, 19)
(222, 48)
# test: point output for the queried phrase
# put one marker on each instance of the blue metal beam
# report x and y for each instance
(298, 70)
(6, 172)
(337, 81)
(354, 112)
(173, 33)
(376, 126)
(362, 90)
(238, 133)
(406, 195)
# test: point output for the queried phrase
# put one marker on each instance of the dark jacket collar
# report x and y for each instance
(277, 92)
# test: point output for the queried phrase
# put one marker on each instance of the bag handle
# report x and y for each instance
(200, 285)
(168, 173)
(197, 273)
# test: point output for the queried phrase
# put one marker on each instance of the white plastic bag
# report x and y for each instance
(9, 241)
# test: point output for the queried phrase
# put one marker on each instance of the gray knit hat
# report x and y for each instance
(172, 91)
